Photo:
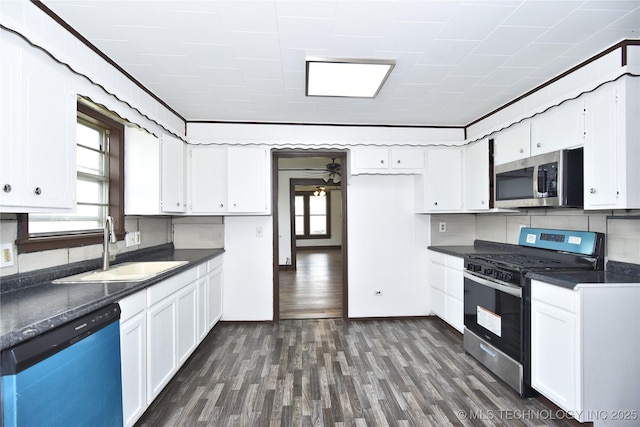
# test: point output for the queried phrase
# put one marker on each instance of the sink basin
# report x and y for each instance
(126, 272)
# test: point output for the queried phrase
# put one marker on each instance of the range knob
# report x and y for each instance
(508, 277)
(477, 267)
(498, 275)
(488, 271)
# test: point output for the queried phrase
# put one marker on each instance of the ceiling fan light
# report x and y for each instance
(326, 178)
(336, 179)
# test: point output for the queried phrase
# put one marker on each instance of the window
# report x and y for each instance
(100, 165)
(312, 215)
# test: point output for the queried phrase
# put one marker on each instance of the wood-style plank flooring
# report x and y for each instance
(331, 372)
(314, 290)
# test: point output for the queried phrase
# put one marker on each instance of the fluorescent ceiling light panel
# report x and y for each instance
(347, 77)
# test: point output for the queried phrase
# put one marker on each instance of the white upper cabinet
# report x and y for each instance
(558, 128)
(154, 174)
(387, 160)
(228, 180)
(611, 149)
(513, 143)
(440, 188)
(37, 134)
(476, 183)
(141, 173)
(207, 179)
(172, 156)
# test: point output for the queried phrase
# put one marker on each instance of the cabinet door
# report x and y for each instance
(374, 159)
(161, 346)
(444, 179)
(208, 179)
(438, 285)
(247, 179)
(476, 188)
(513, 143)
(554, 354)
(601, 149)
(202, 301)
(172, 174)
(407, 159)
(558, 128)
(455, 294)
(186, 323)
(214, 297)
(11, 183)
(133, 348)
(141, 173)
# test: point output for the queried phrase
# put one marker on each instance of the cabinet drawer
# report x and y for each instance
(455, 262)
(563, 298)
(437, 257)
(132, 305)
(169, 286)
(214, 263)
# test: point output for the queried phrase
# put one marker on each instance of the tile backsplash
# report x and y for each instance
(153, 231)
(622, 229)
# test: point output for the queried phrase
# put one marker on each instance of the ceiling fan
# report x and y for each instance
(332, 172)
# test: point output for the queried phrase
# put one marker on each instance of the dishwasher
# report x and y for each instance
(69, 376)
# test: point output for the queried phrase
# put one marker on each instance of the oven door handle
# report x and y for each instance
(516, 291)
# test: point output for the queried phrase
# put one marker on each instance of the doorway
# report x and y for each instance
(310, 249)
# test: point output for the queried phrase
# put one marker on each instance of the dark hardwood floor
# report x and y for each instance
(331, 372)
(314, 290)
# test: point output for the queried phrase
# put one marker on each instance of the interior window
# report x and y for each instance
(312, 219)
(99, 192)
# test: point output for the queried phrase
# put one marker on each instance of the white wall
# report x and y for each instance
(248, 269)
(387, 248)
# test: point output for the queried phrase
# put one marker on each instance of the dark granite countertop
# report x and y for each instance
(30, 304)
(573, 279)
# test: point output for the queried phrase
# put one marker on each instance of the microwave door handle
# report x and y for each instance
(535, 182)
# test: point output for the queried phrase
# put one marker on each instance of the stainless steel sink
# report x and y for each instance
(126, 272)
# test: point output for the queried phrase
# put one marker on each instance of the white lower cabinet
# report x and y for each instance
(447, 288)
(133, 349)
(160, 327)
(161, 346)
(585, 351)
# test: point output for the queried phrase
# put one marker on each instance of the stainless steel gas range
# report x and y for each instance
(497, 301)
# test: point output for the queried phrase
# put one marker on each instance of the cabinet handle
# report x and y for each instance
(7, 188)
(177, 203)
(435, 203)
(382, 162)
(538, 145)
(522, 150)
(235, 205)
(482, 202)
(398, 161)
(221, 205)
(38, 191)
(592, 191)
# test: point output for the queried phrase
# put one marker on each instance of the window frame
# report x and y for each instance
(307, 216)
(26, 243)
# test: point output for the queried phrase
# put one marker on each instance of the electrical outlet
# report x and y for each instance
(442, 227)
(377, 293)
(137, 235)
(6, 260)
(130, 239)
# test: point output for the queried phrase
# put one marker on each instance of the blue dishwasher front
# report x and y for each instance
(69, 376)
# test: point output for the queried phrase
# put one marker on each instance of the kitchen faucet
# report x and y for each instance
(109, 237)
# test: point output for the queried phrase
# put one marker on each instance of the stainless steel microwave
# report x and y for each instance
(551, 179)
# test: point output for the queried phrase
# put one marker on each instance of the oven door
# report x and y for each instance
(494, 310)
